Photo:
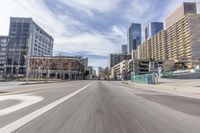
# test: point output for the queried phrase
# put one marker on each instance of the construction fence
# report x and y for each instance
(145, 78)
(152, 78)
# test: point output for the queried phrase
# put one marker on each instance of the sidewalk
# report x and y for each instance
(187, 88)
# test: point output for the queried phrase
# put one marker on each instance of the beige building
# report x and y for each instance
(182, 10)
(180, 42)
(183, 39)
(120, 71)
(153, 48)
(135, 53)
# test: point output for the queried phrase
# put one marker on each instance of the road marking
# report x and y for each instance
(25, 101)
(24, 120)
(22, 91)
(130, 93)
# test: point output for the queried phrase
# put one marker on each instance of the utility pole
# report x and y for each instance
(27, 71)
(28, 61)
(6, 60)
(70, 69)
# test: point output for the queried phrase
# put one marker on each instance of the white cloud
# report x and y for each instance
(173, 4)
(64, 29)
(72, 35)
(94, 44)
(54, 24)
(89, 6)
(136, 10)
(119, 31)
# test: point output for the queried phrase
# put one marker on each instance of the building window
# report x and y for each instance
(3, 49)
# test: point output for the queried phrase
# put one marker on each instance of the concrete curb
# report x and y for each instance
(42, 82)
(159, 89)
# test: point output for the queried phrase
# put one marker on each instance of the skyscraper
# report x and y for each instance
(146, 33)
(180, 12)
(134, 37)
(124, 49)
(26, 39)
(152, 29)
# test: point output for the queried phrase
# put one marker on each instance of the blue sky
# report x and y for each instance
(92, 28)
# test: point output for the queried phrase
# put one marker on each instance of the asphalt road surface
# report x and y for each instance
(96, 107)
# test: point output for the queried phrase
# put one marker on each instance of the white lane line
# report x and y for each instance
(24, 120)
(25, 101)
(130, 93)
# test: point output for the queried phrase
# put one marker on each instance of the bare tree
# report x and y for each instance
(169, 65)
(61, 62)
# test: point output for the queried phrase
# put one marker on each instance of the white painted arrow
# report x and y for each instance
(25, 101)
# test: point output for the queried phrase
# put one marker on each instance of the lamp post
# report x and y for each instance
(27, 57)
(27, 67)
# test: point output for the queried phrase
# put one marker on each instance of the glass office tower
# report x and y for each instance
(26, 39)
(134, 37)
(153, 28)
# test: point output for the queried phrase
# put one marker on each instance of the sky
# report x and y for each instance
(91, 28)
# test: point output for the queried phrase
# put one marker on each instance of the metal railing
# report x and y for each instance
(168, 74)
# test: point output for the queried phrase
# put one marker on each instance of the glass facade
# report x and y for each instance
(19, 34)
(124, 49)
(153, 28)
(3, 53)
(134, 37)
(25, 39)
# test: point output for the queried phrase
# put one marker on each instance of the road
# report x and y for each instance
(96, 107)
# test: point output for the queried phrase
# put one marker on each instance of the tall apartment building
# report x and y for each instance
(182, 10)
(154, 47)
(180, 42)
(26, 39)
(134, 37)
(124, 49)
(153, 28)
(3, 53)
(183, 39)
(114, 59)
